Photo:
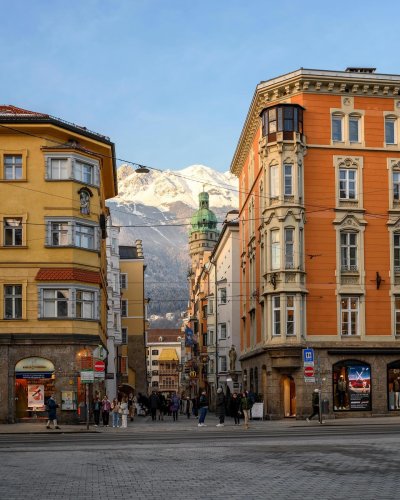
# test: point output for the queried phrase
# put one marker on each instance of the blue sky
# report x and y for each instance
(170, 81)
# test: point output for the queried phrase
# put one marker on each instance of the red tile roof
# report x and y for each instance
(8, 110)
(168, 334)
(68, 274)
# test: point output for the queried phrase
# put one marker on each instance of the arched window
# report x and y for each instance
(351, 386)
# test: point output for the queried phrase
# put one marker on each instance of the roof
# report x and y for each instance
(68, 274)
(168, 355)
(9, 110)
(204, 219)
(128, 253)
(167, 334)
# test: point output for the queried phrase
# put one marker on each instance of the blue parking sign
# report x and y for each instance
(308, 355)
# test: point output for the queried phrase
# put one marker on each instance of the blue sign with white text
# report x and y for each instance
(308, 355)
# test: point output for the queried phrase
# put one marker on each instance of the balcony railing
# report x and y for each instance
(349, 268)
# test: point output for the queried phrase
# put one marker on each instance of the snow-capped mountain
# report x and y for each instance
(156, 208)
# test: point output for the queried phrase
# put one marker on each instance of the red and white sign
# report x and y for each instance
(309, 371)
(99, 366)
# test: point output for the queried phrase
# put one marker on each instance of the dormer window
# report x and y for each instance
(286, 118)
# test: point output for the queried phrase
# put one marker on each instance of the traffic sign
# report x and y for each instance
(87, 377)
(99, 366)
(308, 356)
(309, 371)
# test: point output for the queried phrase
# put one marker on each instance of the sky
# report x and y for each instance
(171, 81)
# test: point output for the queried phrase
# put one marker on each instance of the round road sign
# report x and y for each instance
(99, 366)
(309, 371)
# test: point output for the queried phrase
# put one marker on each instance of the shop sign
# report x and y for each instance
(35, 396)
(34, 365)
(33, 375)
(100, 375)
(309, 380)
(87, 377)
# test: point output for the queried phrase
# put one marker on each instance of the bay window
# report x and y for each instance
(73, 302)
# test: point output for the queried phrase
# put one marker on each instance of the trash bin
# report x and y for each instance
(325, 406)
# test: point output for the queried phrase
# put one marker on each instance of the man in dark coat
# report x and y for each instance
(220, 407)
(154, 402)
(315, 405)
(52, 411)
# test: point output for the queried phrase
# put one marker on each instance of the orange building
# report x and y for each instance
(318, 163)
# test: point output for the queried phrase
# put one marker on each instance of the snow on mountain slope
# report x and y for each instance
(163, 188)
(156, 208)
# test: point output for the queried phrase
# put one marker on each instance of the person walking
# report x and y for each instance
(124, 411)
(203, 408)
(154, 403)
(188, 409)
(161, 411)
(52, 412)
(245, 408)
(396, 390)
(234, 408)
(105, 410)
(96, 407)
(131, 406)
(220, 407)
(315, 405)
(115, 407)
(341, 390)
(175, 405)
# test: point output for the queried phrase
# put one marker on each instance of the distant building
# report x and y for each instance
(164, 358)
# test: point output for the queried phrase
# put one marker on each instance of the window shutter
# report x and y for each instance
(47, 163)
(40, 303)
(48, 233)
(96, 175)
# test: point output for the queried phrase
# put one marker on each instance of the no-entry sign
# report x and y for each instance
(99, 366)
(309, 371)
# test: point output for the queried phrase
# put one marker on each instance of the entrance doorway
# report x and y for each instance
(34, 384)
(289, 396)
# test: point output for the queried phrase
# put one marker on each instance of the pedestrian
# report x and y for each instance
(131, 406)
(234, 408)
(175, 404)
(195, 407)
(96, 407)
(52, 412)
(154, 403)
(315, 405)
(341, 390)
(161, 410)
(245, 408)
(220, 407)
(396, 390)
(115, 412)
(203, 408)
(105, 410)
(188, 408)
(124, 411)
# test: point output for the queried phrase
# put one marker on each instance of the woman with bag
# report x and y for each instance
(124, 411)
(115, 412)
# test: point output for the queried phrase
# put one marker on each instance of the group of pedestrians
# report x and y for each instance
(160, 406)
(239, 407)
(119, 410)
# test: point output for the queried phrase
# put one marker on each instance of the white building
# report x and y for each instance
(114, 337)
(223, 314)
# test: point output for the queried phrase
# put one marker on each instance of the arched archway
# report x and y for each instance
(289, 396)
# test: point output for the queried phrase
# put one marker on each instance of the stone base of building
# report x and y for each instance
(354, 381)
(33, 368)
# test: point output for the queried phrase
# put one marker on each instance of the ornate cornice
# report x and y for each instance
(313, 82)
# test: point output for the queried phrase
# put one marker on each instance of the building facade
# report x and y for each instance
(164, 358)
(318, 167)
(223, 313)
(55, 178)
(132, 352)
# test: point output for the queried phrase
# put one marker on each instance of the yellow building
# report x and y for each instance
(133, 319)
(54, 179)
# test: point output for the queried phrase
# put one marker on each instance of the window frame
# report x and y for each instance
(276, 316)
(124, 308)
(71, 301)
(14, 297)
(222, 331)
(290, 308)
(289, 244)
(13, 230)
(394, 121)
(275, 249)
(74, 168)
(349, 251)
(123, 281)
(339, 117)
(74, 232)
(349, 310)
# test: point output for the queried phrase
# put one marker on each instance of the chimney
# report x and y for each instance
(356, 69)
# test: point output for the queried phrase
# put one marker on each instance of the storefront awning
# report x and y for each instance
(168, 355)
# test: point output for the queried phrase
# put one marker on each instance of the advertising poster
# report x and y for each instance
(35, 396)
(68, 400)
(359, 387)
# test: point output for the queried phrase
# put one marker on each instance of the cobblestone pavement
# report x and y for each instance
(205, 467)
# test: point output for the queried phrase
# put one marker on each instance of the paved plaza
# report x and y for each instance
(273, 460)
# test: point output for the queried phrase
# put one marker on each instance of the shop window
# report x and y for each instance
(393, 384)
(351, 386)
